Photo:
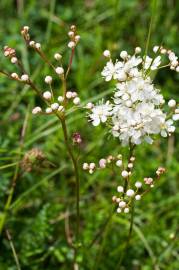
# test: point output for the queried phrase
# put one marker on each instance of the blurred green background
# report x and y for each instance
(45, 196)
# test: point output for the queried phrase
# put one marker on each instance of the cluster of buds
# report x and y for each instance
(104, 162)
(26, 36)
(126, 198)
(89, 167)
(10, 53)
(149, 181)
(160, 171)
(173, 59)
(74, 96)
(76, 138)
(74, 38)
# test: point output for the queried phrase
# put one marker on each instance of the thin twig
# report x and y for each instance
(13, 250)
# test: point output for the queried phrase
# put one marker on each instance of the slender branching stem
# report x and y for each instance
(13, 250)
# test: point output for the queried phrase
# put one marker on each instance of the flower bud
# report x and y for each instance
(59, 70)
(125, 174)
(57, 56)
(107, 53)
(48, 79)
(54, 106)
(76, 101)
(47, 95)
(24, 78)
(36, 110)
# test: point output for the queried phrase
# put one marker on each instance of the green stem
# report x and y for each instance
(75, 166)
(13, 250)
(123, 255)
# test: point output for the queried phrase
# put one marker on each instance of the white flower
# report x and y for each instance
(60, 99)
(54, 106)
(137, 197)
(138, 184)
(85, 166)
(38, 46)
(126, 210)
(175, 117)
(102, 163)
(122, 204)
(152, 63)
(123, 54)
(61, 109)
(110, 70)
(100, 113)
(71, 44)
(48, 110)
(119, 163)
(125, 174)
(138, 50)
(155, 49)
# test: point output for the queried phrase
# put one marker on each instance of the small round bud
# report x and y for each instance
(57, 56)
(138, 50)
(89, 105)
(91, 171)
(24, 78)
(77, 38)
(118, 210)
(102, 163)
(60, 99)
(14, 60)
(176, 111)
(138, 184)
(120, 189)
(85, 166)
(32, 43)
(119, 163)
(73, 28)
(175, 117)
(114, 198)
(125, 174)
(71, 44)
(54, 106)
(177, 69)
(122, 204)
(107, 53)
(172, 103)
(69, 94)
(47, 95)
(15, 76)
(59, 70)
(132, 159)
(74, 94)
(123, 54)
(163, 51)
(71, 34)
(92, 166)
(76, 101)
(130, 165)
(48, 110)
(61, 109)
(155, 49)
(138, 197)
(126, 210)
(36, 110)
(48, 79)
(38, 46)
(26, 28)
(130, 192)
(118, 200)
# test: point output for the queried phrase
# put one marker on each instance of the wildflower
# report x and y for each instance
(100, 113)
(152, 63)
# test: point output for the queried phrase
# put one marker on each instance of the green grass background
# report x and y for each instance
(36, 219)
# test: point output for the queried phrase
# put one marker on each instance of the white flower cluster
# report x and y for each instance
(135, 112)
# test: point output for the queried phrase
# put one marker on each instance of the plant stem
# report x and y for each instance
(75, 166)
(13, 250)
(128, 238)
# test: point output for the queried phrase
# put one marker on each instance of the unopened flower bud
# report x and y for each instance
(48, 79)
(59, 70)
(36, 110)
(107, 53)
(47, 95)
(123, 54)
(76, 101)
(122, 204)
(155, 49)
(61, 109)
(15, 76)
(38, 46)
(32, 43)
(130, 192)
(77, 38)
(138, 184)
(14, 60)
(69, 94)
(54, 106)
(120, 189)
(48, 110)
(125, 174)
(71, 44)
(71, 34)
(85, 166)
(172, 103)
(138, 50)
(126, 210)
(119, 163)
(102, 163)
(24, 77)
(76, 138)
(89, 105)
(60, 99)
(118, 210)
(138, 197)
(57, 56)
(92, 166)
